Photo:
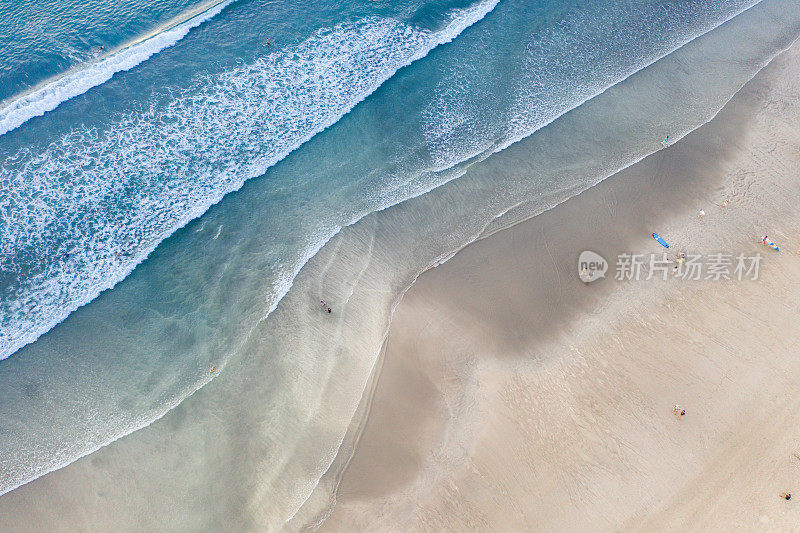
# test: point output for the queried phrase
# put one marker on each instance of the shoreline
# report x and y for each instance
(246, 471)
(22, 98)
(370, 500)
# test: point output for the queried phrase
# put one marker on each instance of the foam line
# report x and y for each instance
(151, 173)
(76, 82)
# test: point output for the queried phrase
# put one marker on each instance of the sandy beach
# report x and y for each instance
(386, 330)
(511, 396)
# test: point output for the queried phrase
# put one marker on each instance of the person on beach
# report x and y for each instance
(726, 202)
(679, 259)
(767, 242)
(701, 214)
(786, 495)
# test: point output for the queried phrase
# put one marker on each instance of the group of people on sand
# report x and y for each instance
(764, 240)
(324, 306)
(681, 256)
(723, 205)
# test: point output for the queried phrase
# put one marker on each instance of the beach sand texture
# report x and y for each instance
(508, 395)
(514, 397)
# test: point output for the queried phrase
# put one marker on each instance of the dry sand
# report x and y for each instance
(514, 397)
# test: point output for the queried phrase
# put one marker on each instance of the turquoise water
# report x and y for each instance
(160, 196)
(44, 38)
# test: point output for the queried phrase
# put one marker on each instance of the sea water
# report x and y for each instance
(413, 96)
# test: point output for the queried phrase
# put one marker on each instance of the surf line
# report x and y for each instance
(51, 93)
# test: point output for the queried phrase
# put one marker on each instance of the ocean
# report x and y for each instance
(182, 182)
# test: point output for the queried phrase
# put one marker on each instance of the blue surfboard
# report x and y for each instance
(661, 241)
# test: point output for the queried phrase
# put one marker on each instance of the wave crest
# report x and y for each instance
(82, 212)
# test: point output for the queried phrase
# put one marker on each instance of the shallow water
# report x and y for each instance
(120, 167)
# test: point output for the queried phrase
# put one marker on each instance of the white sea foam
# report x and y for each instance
(94, 194)
(565, 65)
(96, 443)
(53, 93)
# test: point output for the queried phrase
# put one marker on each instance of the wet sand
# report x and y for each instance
(512, 396)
